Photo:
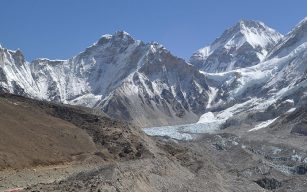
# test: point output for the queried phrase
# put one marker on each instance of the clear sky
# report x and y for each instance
(59, 29)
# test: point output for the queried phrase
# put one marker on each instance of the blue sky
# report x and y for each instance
(62, 28)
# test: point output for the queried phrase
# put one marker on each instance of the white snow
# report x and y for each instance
(268, 74)
(207, 117)
(107, 36)
(208, 123)
(291, 110)
(258, 37)
(255, 33)
(263, 124)
(289, 101)
(183, 132)
(170, 131)
(92, 76)
(51, 60)
(212, 95)
(296, 157)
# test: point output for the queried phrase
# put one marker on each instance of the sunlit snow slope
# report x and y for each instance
(128, 79)
(260, 93)
(250, 69)
(243, 45)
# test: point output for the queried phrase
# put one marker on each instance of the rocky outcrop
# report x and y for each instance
(268, 183)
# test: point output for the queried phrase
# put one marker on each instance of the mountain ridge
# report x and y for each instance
(115, 66)
(242, 45)
(259, 94)
(145, 84)
(240, 129)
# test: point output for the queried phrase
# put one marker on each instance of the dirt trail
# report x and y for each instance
(10, 179)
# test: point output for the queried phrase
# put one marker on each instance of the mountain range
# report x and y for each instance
(239, 102)
(145, 84)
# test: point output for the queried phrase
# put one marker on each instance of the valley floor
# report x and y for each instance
(122, 158)
(215, 162)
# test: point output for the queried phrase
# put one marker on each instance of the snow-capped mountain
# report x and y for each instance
(281, 74)
(289, 69)
(15, 74)
(145, 84)
(257, 96)
(126, 78)
(162, 89)
(243, 45)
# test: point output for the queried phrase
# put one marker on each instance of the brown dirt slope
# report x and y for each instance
(41, 133)
(29, 136)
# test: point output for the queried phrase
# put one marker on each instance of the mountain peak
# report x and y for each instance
(123, 36)
(120, 36)
(254, 32)
(18, 52)
(121, 33)
(242, 25)
(242, 45)
(250, 24)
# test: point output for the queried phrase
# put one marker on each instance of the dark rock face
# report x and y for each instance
(162, 90)
(18, 57)
(300, 128)
(117, 108)
(176, 106)
(269, 183)
(2, 76)
(54, 93)
(300, 169)
(17, 89)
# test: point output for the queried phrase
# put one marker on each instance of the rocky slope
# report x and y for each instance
(61, 134)
(215, 162)
(27, 140)
(78, 149)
